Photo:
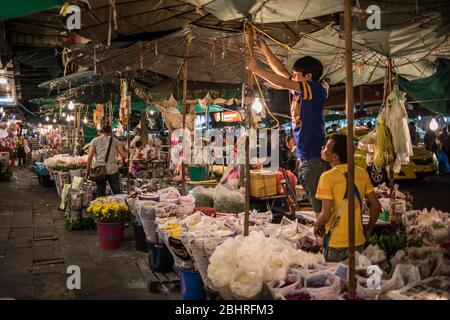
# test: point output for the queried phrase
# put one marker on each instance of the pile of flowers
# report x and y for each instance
(108, 209)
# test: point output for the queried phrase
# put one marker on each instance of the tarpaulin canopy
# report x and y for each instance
(369, 65)
(432, 92)
(266, 11)
(170, 93)
(215, 56)
(19, 8)
(148, 20)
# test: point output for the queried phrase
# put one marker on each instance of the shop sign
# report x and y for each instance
(228, 116)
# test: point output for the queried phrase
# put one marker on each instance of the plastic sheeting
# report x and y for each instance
(432, 92)
(397, 122)
(267, 11)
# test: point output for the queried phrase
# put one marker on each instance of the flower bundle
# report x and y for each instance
(108, 209)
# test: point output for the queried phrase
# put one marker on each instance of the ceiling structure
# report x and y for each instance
(145, 40)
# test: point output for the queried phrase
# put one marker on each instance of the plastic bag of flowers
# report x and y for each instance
(322, 285)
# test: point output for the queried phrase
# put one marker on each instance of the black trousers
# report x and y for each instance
(114, 183)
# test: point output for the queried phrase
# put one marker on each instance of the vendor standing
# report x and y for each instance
(308, 98)
(21, 153)
(332, 224)
(99, 149)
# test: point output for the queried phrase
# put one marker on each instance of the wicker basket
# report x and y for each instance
(262, 183)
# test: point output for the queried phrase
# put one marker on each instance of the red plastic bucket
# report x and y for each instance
(110, 235)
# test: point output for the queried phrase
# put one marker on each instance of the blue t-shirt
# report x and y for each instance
(307, 119)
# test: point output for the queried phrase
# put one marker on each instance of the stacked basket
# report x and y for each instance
(262, 183)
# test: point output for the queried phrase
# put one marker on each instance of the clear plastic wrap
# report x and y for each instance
(203, 196)
(227, 199)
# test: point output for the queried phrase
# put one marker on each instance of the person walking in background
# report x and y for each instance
(442, 139)
(21, 145)
(430, 141)
(413, 133)
(99, 149)
(442, 152)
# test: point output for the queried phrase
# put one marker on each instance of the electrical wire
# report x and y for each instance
(259, 87)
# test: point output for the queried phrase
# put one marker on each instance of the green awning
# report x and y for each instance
(18, 8)
(432, 92)
(89, 133)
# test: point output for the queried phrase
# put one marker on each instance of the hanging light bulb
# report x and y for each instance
(433, 124)
(419, 117)
(152, 113)
(40, 125)
(54, 120)
(257, 105)
(47, 118)
(63, 114)
(85, 120)
(68, 118)
(71, 106)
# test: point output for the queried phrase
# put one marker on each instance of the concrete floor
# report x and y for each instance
(35, 251)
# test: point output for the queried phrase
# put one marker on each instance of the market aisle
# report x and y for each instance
(35, 251)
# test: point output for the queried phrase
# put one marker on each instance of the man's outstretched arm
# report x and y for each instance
(275, 63)
(273, 78)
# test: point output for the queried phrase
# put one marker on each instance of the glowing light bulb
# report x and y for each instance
(85, 120)
(419, 117)
(1, 109)
(257, 105)
(433, 124)
(54, 120)
(68, 118)
(40, 125)
(71, 106)
(63, 114)
(47, 118)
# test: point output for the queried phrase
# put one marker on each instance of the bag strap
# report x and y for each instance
(338, 214)
(109, 149)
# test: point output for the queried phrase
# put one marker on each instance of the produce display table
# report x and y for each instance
(204, 183)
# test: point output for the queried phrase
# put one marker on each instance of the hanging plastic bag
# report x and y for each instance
(405, 274)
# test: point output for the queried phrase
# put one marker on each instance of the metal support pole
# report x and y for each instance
(349, 103)
(185, 111)
(248, 121)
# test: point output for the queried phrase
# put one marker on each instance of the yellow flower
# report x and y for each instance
(176, 233)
